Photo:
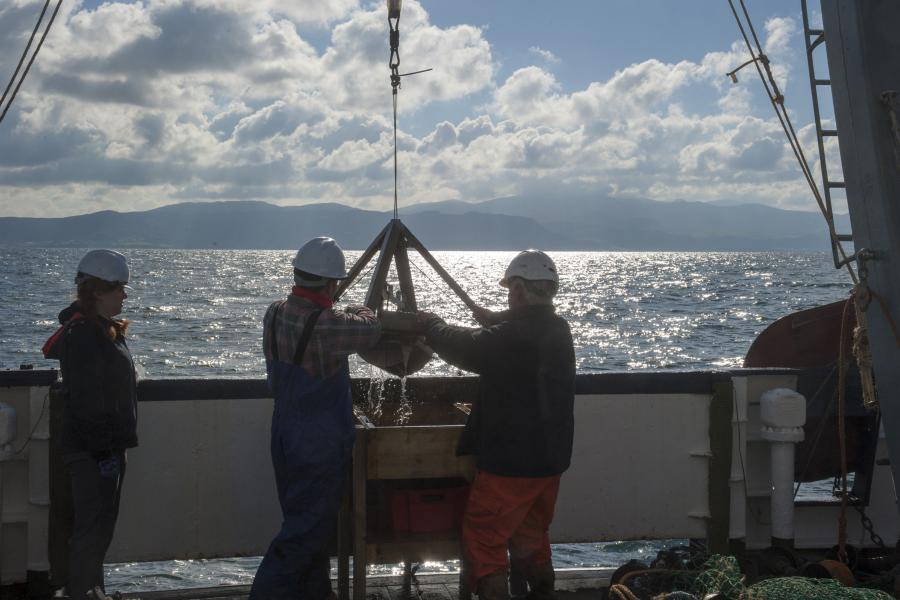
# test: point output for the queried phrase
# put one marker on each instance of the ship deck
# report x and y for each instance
(571, 584)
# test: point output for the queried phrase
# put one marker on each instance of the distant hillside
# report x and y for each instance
(262, 225)
(640, 224)
(574, 223)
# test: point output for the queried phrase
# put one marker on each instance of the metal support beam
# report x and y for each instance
(864, 61)
(362, 262)
(415, 243)
(401, 260)
(375, 295)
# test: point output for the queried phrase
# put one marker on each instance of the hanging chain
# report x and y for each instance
(858, 506)
(867, 524)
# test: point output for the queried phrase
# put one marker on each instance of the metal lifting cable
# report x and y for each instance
(761, 62)
(394, 65)
(31, 60)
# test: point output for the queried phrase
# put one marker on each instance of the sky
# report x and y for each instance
(135, 105)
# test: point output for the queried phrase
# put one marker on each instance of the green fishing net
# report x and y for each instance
(721, 574)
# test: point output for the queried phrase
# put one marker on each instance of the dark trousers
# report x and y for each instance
(297, 564)
(95, 507)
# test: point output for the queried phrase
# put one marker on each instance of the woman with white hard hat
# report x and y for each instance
(100, 414)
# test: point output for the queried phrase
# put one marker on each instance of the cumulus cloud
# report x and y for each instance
(354, 67)
(226, 99)
(544, 55)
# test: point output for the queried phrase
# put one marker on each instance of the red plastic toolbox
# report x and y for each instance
(427, 510)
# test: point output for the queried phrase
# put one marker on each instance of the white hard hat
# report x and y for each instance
(108, 265)
(532, 265)
(321, 256)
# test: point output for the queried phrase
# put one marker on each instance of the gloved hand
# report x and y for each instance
(484, 316)
(108, 463)
(422, 318)
(98, 594)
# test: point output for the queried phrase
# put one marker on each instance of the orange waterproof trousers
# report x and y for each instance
(507, 512)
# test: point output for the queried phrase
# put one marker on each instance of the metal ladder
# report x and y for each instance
(814, 38)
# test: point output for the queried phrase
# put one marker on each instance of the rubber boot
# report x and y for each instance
(493, 587)
(518, 585)
(541, 581)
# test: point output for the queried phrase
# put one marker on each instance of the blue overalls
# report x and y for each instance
(312, 440)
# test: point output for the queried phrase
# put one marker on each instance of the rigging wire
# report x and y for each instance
(358, 278)
(433, 282)
(33, 56)
(762, 64)
(24, 53)
(819, 430)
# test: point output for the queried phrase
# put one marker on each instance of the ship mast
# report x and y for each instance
(863, 52)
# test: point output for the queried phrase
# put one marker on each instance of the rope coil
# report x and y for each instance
(862, 351)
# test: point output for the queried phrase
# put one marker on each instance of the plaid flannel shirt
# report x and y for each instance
(336, 335)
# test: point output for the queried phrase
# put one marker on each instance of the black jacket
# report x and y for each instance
(100, 413)
(522, 421)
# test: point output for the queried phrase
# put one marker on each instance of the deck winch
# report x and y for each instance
(402, 349)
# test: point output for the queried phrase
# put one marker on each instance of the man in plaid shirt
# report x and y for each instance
(306, 343)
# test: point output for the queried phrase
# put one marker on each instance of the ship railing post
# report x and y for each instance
(720, 413)
(360, 477)
(60, 517)
(38, 566)
(344, 541)
(737, 534)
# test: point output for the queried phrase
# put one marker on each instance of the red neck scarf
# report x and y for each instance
(316, 297)
(47, 350)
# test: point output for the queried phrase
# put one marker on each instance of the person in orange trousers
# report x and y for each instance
(521, 425)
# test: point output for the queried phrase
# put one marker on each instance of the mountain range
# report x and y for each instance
(510, 223)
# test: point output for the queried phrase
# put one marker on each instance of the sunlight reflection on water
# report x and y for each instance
(198, 313)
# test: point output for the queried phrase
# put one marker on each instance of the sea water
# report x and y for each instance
(198, 313)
